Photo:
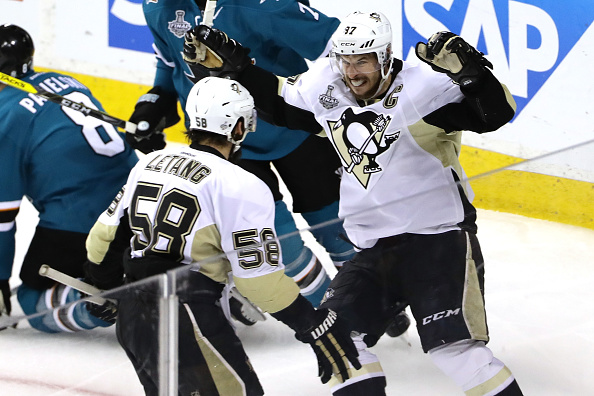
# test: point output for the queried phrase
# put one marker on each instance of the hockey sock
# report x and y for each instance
(52, 318)
(474, 368)
(300, 262)
(328, 235)
(369, 380)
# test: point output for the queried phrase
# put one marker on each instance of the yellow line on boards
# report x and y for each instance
(525, 193)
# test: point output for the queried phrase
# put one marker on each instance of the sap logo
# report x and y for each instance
(526, 40)
(440, 315)
(127, 28)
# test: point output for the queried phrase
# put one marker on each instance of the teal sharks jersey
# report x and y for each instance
(281, 35)
(69, 165)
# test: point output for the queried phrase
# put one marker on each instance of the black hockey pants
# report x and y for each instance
(211, 359)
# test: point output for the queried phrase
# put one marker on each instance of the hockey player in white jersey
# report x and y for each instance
(396, 128)
(193, 206)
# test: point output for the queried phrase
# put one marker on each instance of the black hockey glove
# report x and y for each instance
(450, 54)
(332, 345)
(326, 334)
(211, 51)
(154, 111)
(5, 306)
(107, 312)
(103, 276)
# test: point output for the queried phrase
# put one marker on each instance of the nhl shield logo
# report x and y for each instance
(327, 100)
(179, 26)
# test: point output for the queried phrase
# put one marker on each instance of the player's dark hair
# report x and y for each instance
(205, 137)
(16, 50)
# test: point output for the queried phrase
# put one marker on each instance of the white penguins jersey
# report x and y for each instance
(398, 169)
(191, 206)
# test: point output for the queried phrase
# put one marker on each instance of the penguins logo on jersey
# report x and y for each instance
(179, 26)
(360, 139)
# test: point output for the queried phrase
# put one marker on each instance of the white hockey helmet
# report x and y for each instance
(216, 104)
(363, 33)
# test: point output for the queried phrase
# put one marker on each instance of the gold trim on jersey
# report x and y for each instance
(490, 385)
(98, 241)
(443, 146)
(225, 378)
(271, 292)
(366, 371)
(473, 307)
(208, 252)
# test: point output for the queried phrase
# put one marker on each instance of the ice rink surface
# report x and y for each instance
(539, 296)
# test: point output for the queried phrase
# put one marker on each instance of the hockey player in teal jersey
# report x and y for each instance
(281, 35)
(69, 166)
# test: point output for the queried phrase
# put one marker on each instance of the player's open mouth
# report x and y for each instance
(357, 82)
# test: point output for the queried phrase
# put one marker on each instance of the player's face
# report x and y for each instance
(362, 74)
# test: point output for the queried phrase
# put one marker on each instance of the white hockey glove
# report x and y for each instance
(224, 57)
(448, 53)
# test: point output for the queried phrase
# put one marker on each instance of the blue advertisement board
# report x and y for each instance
(532, 36)
(127, 28)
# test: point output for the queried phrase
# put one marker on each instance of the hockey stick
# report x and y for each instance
(77, 284)
(209, 11)
(360, 150)
(52, 97)
(208, 20)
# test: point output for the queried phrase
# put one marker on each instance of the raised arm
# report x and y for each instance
(226, 57)
(488, 104)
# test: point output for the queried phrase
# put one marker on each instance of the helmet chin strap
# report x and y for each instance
(233, 136)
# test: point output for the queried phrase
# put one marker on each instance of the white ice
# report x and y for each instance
(539, 296)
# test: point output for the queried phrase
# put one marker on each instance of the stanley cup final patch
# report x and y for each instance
(179, 26)
(327, 100)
